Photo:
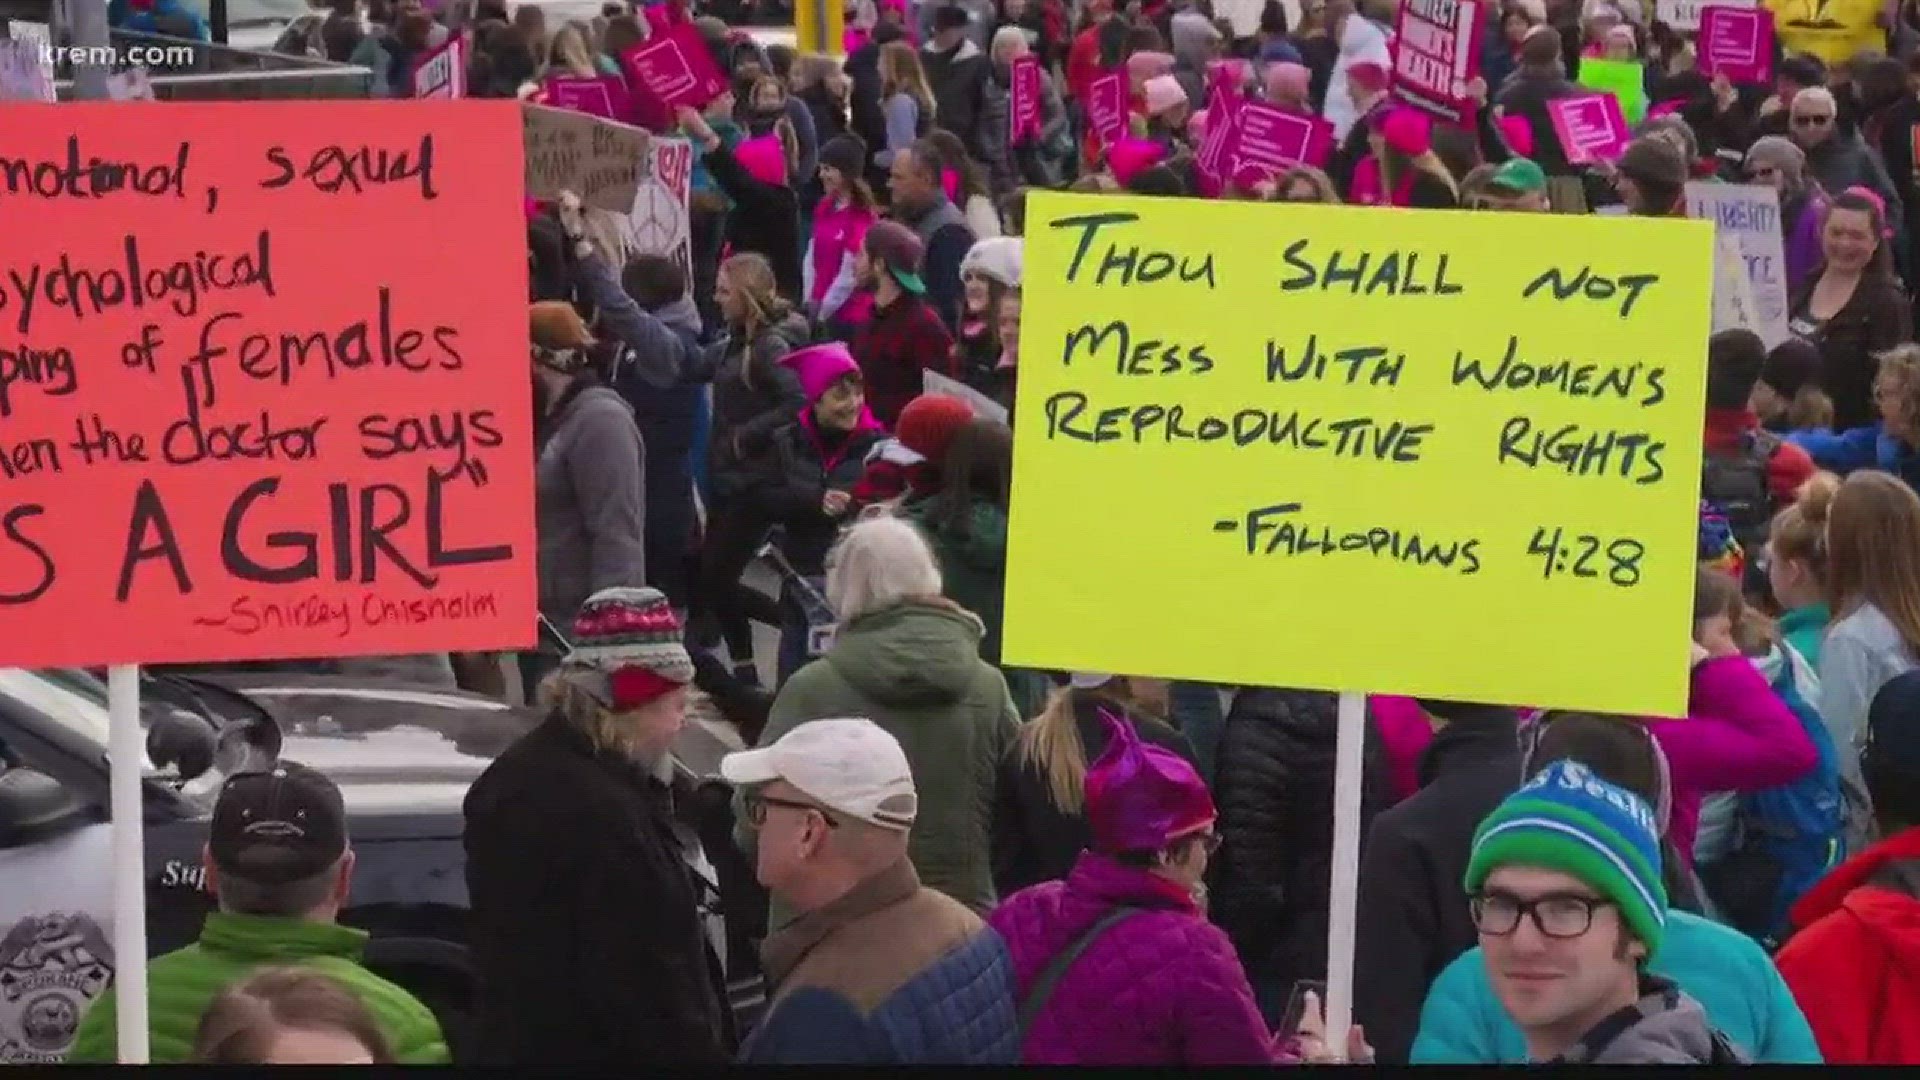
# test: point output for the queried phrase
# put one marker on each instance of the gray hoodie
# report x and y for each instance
(590, 498)
(1665, 1027)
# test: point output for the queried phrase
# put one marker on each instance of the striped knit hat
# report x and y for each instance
(627, 649)
(1570, 820)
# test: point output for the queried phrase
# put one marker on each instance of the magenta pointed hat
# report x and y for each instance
(1140, 796)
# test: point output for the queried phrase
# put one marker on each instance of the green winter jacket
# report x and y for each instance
(183, 983)
(915, 670)
(973, 572)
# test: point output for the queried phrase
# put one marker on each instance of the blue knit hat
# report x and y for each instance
(1570, 820)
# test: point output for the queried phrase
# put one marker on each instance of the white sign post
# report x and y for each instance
(1344, 889)
(126, 755)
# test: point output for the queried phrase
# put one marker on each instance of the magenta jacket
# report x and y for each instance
(1738, 736)
(1160, 988)
(1405, 732)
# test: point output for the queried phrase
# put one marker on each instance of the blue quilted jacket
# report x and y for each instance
(890, 974)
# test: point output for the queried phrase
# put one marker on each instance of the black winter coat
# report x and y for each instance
(765, 219)
(801, 466)
(754, 394)
(1033, 840)
(585, 925)
(1413, 918)
(1274, 786)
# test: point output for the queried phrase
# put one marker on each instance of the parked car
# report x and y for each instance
(403, 756)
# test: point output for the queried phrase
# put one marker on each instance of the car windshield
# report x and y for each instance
(77, 699)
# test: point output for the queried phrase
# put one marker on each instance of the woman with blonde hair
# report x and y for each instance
(905, 99)
(569, 53)
(1873, 588)
(1403, 170)
(1039, 817)
(753, 396)
(1304, 183)
(290, 1016)
(908, 658)
(1796, 565)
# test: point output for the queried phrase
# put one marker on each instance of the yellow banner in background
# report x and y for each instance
(1433, 453)
(819, 26)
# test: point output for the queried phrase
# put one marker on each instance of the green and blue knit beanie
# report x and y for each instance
(1570, 820)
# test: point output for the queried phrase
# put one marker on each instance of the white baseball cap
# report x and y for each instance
(850, 766)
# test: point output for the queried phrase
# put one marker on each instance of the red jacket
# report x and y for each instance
(1855, 964)
(1083, 63)
(1790, 466)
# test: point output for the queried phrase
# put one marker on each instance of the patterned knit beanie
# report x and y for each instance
(627, 649)
(1570, 820)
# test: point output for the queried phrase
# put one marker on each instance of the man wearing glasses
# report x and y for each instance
(1565, 891)
(1837, 157)
(876, 968)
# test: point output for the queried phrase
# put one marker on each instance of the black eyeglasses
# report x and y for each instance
(1555, 915)
(757, 804)
(1812, 121)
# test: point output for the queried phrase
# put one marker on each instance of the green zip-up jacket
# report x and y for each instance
(183, 983)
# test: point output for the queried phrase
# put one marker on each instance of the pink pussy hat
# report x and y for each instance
(820, 366)
(1128, 158)
(1140, 796)
(764, 159)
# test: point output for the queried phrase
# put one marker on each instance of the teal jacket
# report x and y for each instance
(181, 984)
(1805, 628)
(1723, 969)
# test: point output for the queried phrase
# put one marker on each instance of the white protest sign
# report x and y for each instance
(984, 407)
(1685, 14)
(1750, 277)
(442, 73)
(26, 64)
(658, 223)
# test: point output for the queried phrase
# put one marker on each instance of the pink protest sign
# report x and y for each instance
(1223, 110)
(1436, 53)
(1271, 139)
(1024, 106)
(1107, 107)
(1591, 127)
(441, 72)
(604, 96)
(675, 67)
(1737, 43)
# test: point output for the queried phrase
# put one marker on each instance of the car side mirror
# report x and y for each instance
(34, 805)
(182, 741)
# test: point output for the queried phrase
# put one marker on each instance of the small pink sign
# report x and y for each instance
(1737, 43)
(676, 67)
(1436, 53)
(1223, 112)
(1272, 139)
(1107, 107)
(442, 72)
(1591, 127)
(604, 96)
(1024, 106)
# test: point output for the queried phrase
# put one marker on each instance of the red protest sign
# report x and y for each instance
(225, 433)
(675, 67)
(1107, 107)
(1436, 53)
(604, 96)
(1024, 101)
(1737, 43)
(442, 72)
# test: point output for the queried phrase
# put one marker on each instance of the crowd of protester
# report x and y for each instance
(940, 857)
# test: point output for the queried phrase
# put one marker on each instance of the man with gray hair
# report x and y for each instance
(278, 863)
(1838, 157)
(876, 968)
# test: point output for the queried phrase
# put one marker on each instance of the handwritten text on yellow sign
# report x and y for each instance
(1434, 453)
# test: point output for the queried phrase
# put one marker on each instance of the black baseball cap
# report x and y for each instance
(282, 824)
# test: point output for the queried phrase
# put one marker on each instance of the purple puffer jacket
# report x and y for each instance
(1160, 988)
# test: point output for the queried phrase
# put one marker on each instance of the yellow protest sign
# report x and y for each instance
(1434, 453)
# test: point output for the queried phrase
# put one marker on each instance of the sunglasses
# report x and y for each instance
(756, 806)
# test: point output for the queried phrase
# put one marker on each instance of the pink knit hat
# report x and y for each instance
(1197, 126)
(1142, 66)
(1285, 80)
(1127, 158)
(1163, 92)
(764, 159)
(1406, 130)
(820, 366)
(1140, 796)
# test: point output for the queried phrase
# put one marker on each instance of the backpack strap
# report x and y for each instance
(1049, 979)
